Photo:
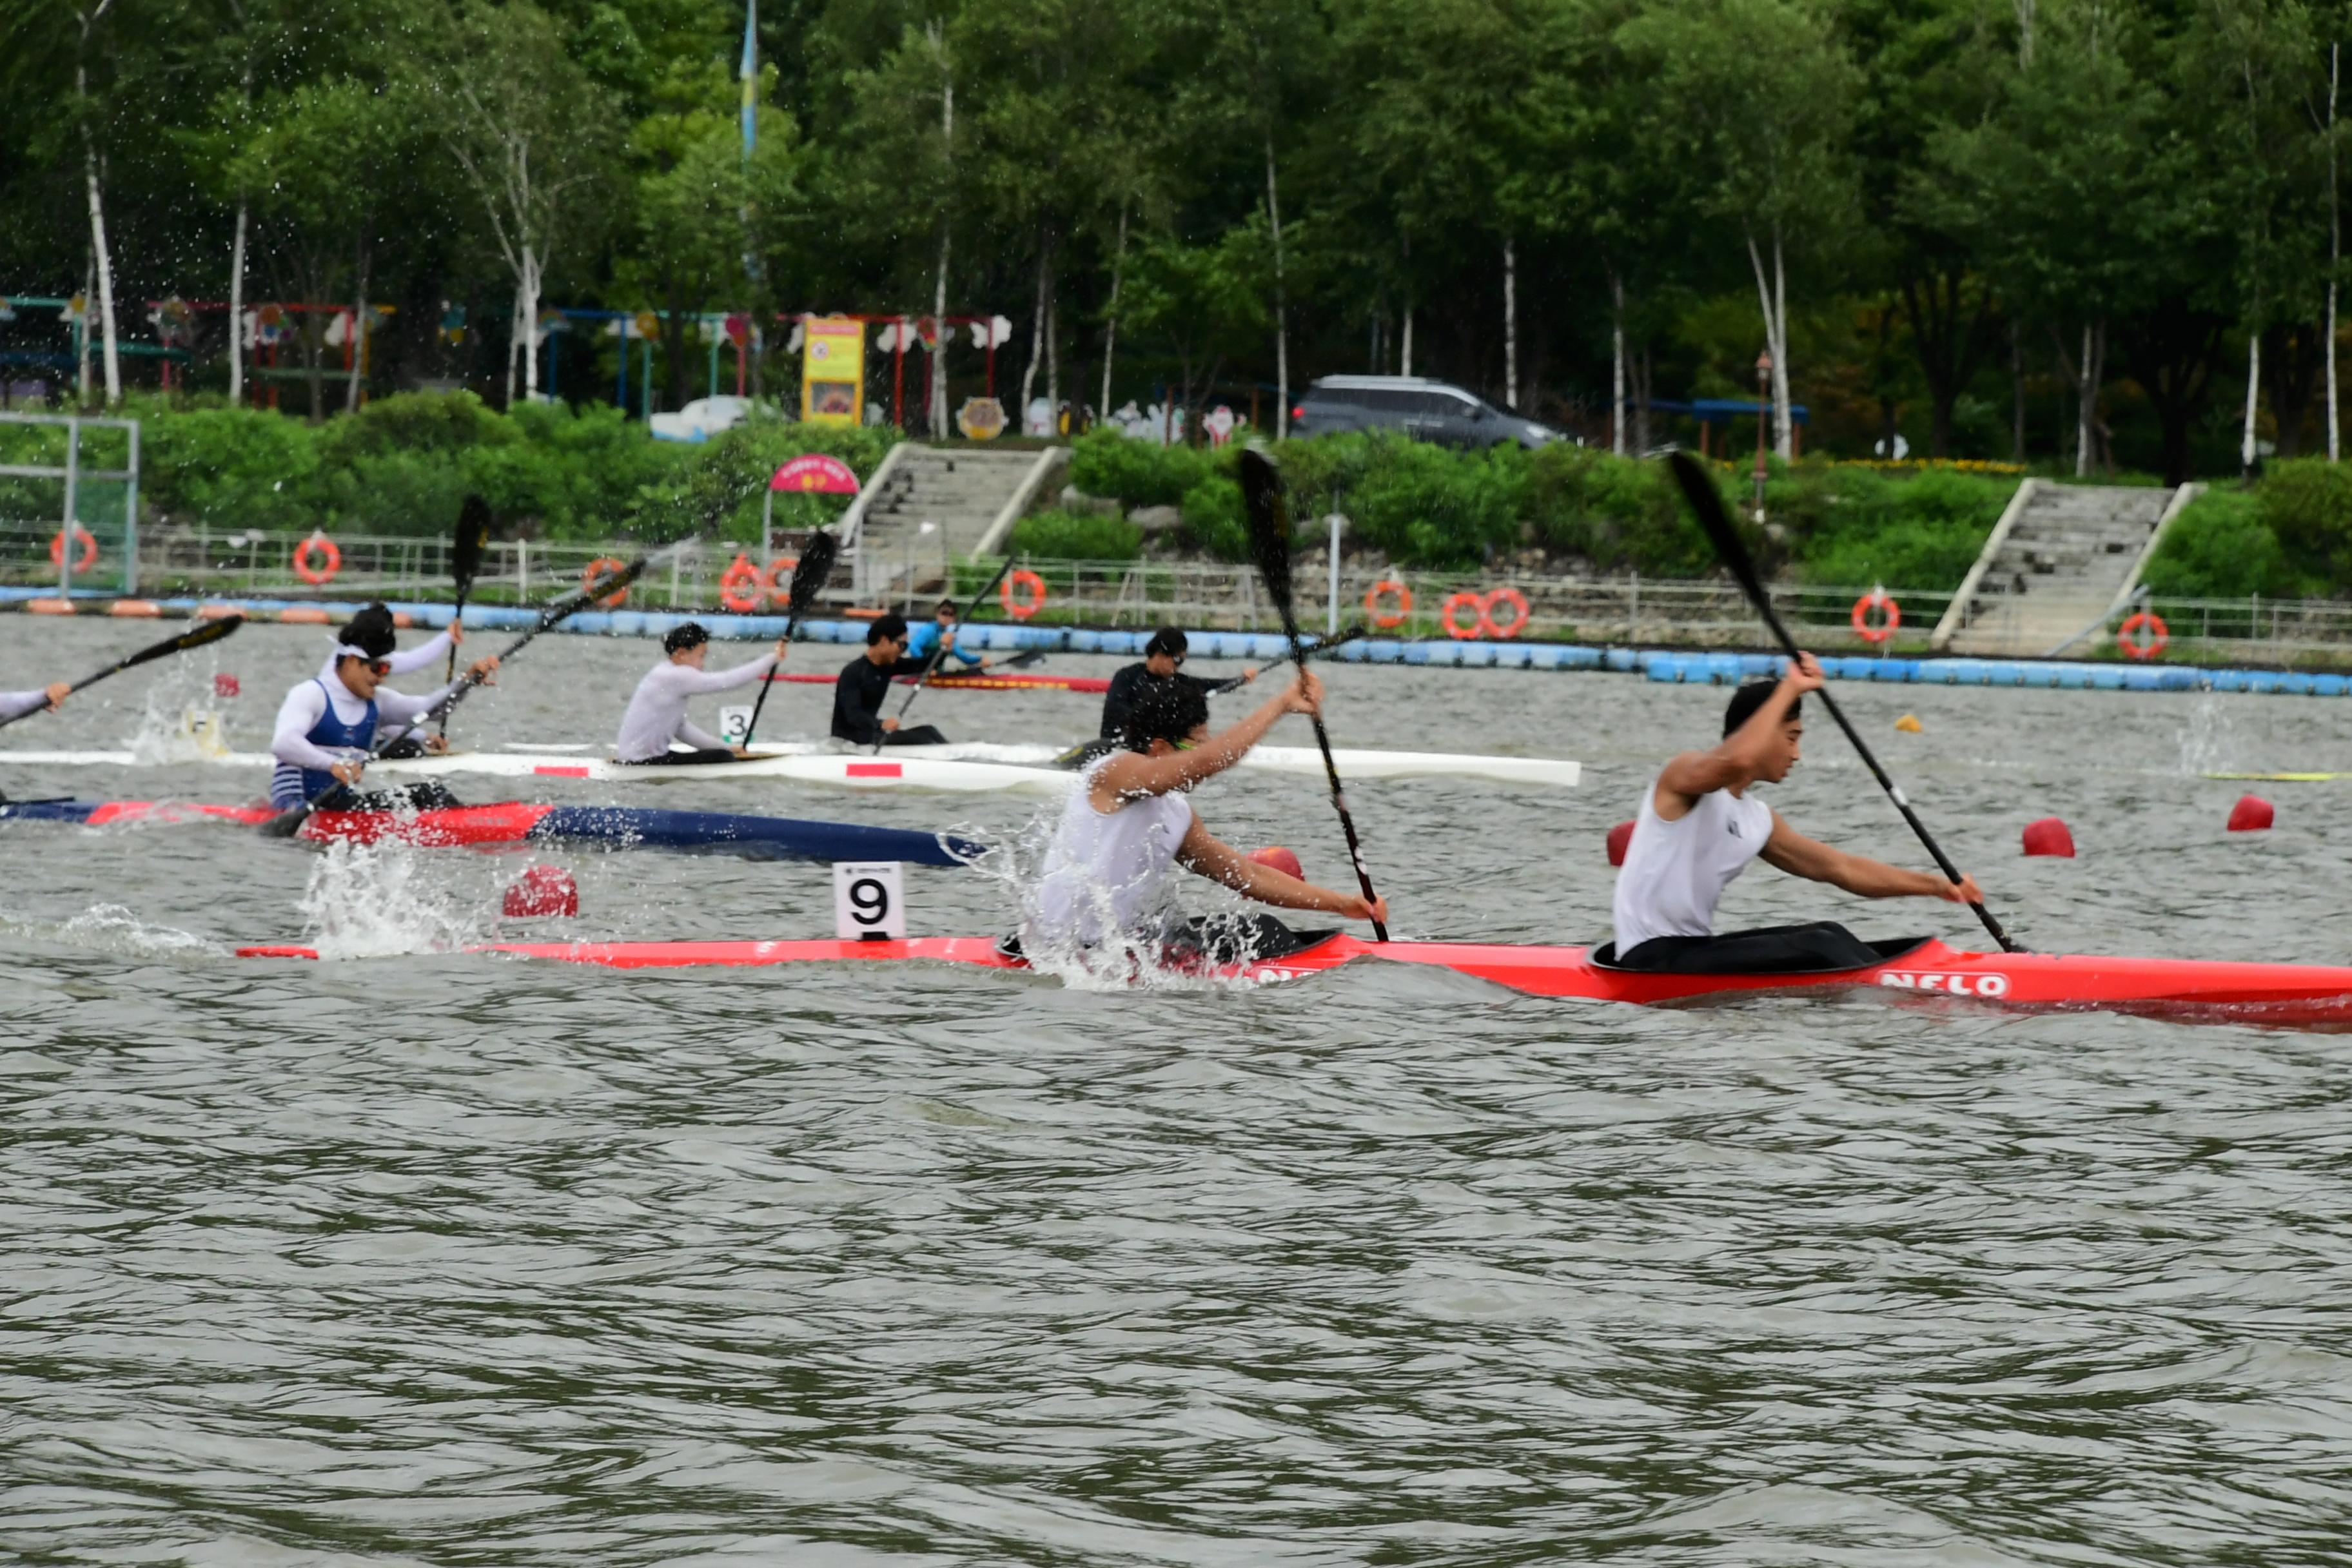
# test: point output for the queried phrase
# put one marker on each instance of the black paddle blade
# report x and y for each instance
(1706, 505)
(1270, 527)
(210, 632)
(809, 576)
(465, 547)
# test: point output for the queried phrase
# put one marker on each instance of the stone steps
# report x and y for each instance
(2073, 552)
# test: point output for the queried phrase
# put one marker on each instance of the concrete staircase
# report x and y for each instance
(2061, 557)
(927, 505)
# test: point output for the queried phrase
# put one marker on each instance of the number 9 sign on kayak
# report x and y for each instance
(869, 900)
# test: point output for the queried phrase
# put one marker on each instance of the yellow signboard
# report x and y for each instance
(832, 372)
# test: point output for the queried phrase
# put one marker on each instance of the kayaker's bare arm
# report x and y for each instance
(1798, 855)
(1740, 758)
(1131, 775)
(1203, 852)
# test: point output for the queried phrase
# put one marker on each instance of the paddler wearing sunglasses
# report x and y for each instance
(1129, 821)
(327, 724)
(1163, 663)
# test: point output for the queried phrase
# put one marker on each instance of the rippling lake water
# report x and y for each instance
(436, 1259)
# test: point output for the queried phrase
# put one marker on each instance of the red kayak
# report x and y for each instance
(2290, 995)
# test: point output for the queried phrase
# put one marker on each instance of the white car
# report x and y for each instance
(701, 419)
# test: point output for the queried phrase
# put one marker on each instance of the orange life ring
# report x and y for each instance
(779, 577)
(598, 569)
(1876, 599)
(85, 557)
(1382, 618)
(317, 577)
(1031, 598)
(2146, 621)
(1517, 601)
(1478, 628)
(741, 586)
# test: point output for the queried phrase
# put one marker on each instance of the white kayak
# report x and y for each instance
(961, 768)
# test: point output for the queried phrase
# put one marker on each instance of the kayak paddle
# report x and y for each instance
(1269, 530)
(1312, 650)
(210, 632)
(465, 547)
(288, 823)
(809, 573)
(941, 652)
(1707, 503)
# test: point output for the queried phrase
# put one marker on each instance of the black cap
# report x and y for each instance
(371, 628)
(692, 634)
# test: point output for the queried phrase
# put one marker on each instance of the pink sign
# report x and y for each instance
(816, 474)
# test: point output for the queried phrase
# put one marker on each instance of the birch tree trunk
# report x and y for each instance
(104, 265)
(1036, 341)
(2335, 247)
(1772, 291)
(236, 311)
(938, 377)
(1281, 302)
(1616, 364)
(533, 268)
(2253, 391)
(359, 334)
(1511, 325)
(2084, 392)
(1111, 323)
(1404, 366)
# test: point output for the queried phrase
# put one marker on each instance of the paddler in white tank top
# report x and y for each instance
(1128, 821)
(1696, 829)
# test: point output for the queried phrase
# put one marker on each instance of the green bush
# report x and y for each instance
(1854, 525)
(1213, 523)
(1136, 473)
(1433, 507)
(2223, 546)
(716, 488)
(442, 422)
(1077, 536)
(2307, 504)
(232, 467)
(1619, 513)
(397, 492)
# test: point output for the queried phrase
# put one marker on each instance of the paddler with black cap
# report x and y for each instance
(16, 704)
(657, 718)
(327, 725)
(1128, 821)
(1698, 827)
(865, 683)
(1163, 661)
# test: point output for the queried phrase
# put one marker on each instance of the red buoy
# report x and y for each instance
(541, 891)
(1281, 859)
(1619, 836)
(2252, 813)
(2050, 837)
(225, 686)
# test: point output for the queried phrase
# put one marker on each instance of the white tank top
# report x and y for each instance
(1674, 873)
(1105, 873)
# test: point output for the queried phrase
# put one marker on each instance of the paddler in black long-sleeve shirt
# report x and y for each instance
(1163, 659)
(865, 682)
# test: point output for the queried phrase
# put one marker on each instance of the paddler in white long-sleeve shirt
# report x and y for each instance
(328, 724)
(16, 704)
(657, 716)
(1129, 821)
(374, 629)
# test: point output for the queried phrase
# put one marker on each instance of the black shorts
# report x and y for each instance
(1216, 940)
(702, 757)
(1821, 947)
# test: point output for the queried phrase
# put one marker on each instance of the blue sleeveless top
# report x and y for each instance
(290, 786)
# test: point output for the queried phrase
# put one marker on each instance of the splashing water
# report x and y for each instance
(180, 723)
(371, 900)
(110, 928)
(2208, 742)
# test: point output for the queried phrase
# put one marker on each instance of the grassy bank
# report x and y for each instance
(551, 471)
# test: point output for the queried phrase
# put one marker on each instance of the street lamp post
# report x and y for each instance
(1763, 380)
